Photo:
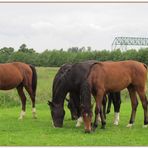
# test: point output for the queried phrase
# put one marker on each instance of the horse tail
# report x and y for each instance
(34, 78)
(145, 66)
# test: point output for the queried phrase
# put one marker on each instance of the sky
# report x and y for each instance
(63, 25)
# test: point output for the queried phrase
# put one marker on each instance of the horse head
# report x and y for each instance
(87, 118)
(57, 113)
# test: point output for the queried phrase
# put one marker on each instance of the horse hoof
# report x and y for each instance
(116, 123)
(34, 117)
(145, 126)
(87, 131)
(20, 118)
(129, 125)
(78, 125)
(102, 127)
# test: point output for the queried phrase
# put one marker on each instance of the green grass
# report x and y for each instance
(33, 132)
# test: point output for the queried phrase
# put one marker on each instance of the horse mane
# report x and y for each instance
(60, 78)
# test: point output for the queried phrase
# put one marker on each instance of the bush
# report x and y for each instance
(56, 58)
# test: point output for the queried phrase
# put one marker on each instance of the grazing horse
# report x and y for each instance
(19, 75)
(68, 79)
(112, 97)
(107, 77)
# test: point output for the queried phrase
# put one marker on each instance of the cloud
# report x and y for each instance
(52, 26)
(41, 25)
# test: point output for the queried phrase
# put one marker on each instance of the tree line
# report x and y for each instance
(56, 58)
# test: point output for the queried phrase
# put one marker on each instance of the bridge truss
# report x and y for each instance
(123, 42)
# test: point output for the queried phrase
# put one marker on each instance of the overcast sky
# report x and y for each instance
(56, 26)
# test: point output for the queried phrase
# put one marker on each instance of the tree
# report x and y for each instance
(73, 49)
(82, 49)
(7, 50)
(23, 48)
(89, 48)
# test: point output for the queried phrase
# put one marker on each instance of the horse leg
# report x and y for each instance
(32, 96)
(76, 103)
(23, 100)
(98, 117)
(98, 110)
(102, 118)
(104, 105)
(110, 96)
(144, 102)
(134, 104)
(116, 103)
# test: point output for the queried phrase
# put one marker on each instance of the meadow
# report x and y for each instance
(40, 132)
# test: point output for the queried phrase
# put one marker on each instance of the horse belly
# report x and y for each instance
(116, 88)
(118, 84)
(10, 82)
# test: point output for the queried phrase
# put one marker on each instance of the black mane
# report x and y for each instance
(59, 82)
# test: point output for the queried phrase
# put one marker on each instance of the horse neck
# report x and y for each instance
(59, 94)
(86, 95)
(60, 87)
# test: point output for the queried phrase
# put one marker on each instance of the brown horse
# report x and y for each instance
(19, 75)
(107, 77)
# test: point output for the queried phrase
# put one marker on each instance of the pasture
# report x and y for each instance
(33, 132)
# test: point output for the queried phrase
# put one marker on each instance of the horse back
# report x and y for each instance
(115, 76)
(24, 70)
(13, 74)
(78, 73)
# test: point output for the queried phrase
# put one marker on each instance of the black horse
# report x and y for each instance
(69, 78)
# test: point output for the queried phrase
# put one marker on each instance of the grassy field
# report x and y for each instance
(33, 132)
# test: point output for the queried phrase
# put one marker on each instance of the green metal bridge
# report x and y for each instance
(123, 42)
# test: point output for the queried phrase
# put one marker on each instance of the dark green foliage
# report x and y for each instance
(56, 58)
(5, 54)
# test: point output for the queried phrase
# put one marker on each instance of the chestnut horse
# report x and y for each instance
(19, 75)
(107, 77)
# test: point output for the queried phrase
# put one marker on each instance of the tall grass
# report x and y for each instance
(8, 101)
(44, 89)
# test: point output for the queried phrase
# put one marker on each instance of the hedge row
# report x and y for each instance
(56, 58)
